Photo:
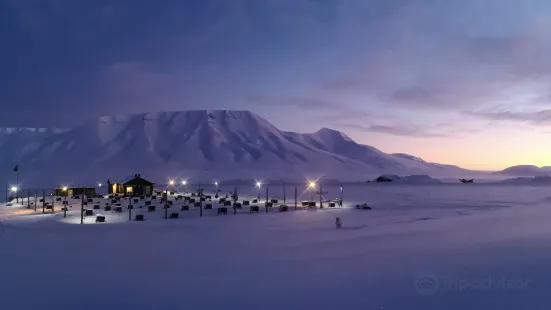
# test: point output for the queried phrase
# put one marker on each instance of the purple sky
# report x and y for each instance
(465, 82)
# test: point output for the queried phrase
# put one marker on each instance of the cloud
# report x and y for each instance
(134, 79)
(331, 109)
(399, 130)
(539, 118)
(140, 87)
(446, 56)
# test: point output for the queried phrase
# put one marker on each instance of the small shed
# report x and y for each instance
(76, 191)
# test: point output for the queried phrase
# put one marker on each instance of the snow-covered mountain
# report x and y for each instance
(208, 144)
(525, 171)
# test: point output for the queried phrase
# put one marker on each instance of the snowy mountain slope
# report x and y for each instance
(525, 171)
(228, 144)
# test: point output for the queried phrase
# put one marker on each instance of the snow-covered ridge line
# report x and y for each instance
(13, 130)
(210, 143)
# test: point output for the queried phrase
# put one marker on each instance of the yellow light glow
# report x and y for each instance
(312, 184)
(64, 188)
(171, 182)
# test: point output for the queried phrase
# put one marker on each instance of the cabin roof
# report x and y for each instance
(138, 181)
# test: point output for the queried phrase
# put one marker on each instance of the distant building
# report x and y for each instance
(75, 191)
(138, 186)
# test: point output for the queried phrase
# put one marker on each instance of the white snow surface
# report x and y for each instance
(448, 247)
(226, 144)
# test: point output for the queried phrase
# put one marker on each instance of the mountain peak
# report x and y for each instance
(328, 133)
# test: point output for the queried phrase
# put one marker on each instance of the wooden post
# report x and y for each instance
(266, 204)
(7, 193)
(284, 195)
(235, 201)
(35, 199)
(129, 210)
(341, 202)
(321, 193)
(28, 198)
(201, 201)
(166, 204)
(295, 198)
(17, 185)
(43, 201)
(82, 208)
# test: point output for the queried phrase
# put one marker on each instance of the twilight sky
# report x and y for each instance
(464, 82)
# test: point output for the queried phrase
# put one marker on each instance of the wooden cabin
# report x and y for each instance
(137, 186)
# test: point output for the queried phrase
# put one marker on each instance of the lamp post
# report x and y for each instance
(64, 189)
(15, 189)
(184, 183)
(312, 187)
(259, 186)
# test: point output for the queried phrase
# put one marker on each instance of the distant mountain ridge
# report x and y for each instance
(203, 143)
(525, 171)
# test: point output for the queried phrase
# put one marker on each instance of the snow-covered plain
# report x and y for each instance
(421, 247)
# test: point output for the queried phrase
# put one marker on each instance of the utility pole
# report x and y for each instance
(201, 201)
(82, 208)
(17, 184)
(341, 202)
(266, 204)
(43, 201)
(35, 199)
(235, 201)
(166, 204)
(295, 198)
(284, 194)
(321, 193)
